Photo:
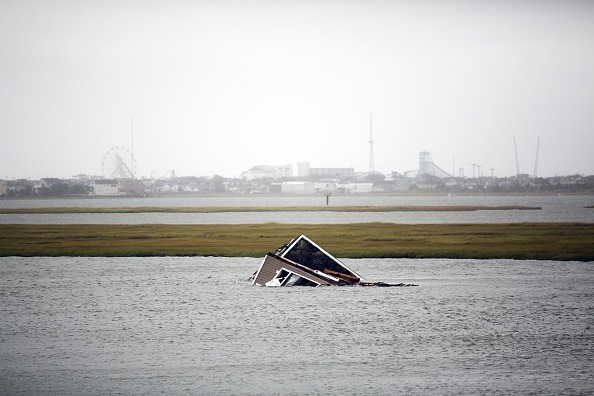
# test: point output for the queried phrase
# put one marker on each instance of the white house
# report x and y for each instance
(107, 187)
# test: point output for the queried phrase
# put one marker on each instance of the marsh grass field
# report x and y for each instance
(540, 241)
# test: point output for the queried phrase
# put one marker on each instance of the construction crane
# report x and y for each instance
(536, 161)
(371, 165)
(517, 163)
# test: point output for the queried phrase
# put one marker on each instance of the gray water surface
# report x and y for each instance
(196, 326)
(554, 209)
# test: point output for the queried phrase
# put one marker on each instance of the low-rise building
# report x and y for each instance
(357, 188)
(304, 170)
(338, 173)
(268, 172)
(298, 187)
(107, 187)
(47, 184)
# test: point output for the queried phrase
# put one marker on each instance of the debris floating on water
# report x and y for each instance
(302, 262)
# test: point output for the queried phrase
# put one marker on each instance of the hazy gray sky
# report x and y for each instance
(221, 86)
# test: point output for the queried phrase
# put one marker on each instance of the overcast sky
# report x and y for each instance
(216, 87)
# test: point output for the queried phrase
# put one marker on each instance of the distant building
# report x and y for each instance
(107, 187)
(427, 186)
(268, 172)
(425, 161)
(3, 187)
(339, 173)
(428, 167)
(304, 170)
(298, 187)
(20, 186)
(357, 188)
(45, 183)
(131, 186)
(320, 187)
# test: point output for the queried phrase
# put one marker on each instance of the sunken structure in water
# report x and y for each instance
(302, 262)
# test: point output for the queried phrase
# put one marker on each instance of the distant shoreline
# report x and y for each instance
(223, 209)
(320, 195)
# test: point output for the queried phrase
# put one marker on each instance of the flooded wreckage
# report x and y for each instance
(302, 262)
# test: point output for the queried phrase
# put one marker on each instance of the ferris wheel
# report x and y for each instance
(118, 163)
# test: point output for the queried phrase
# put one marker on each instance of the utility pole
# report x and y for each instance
(492, 169)
(473, 165)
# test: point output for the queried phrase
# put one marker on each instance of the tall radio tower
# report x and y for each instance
(370, 143)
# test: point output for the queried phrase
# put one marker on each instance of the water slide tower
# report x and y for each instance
(425, 161)
(427, 167)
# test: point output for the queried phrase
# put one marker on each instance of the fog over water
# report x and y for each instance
(217, 87)
(74, 326)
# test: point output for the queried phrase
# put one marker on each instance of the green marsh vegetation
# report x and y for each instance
(540, 241)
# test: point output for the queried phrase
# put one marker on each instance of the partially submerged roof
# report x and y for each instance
(303, 262)
(278, 271)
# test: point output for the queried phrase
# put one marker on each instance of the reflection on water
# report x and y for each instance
(196, 326)
(554, 208)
